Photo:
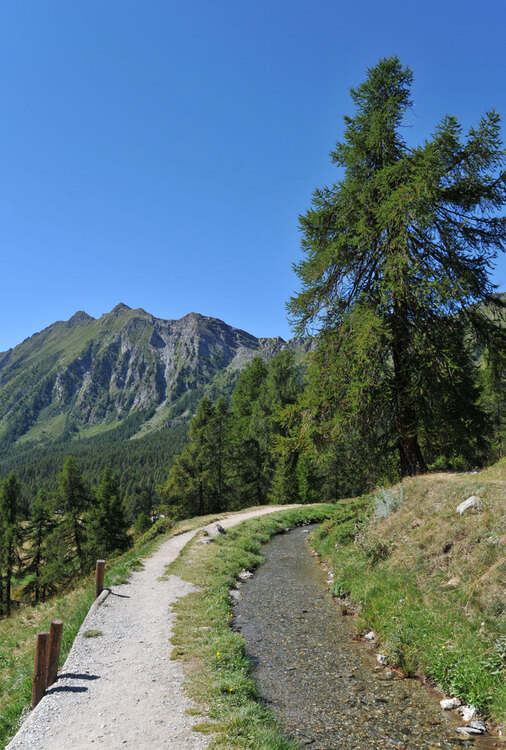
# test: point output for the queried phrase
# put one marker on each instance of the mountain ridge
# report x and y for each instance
(87, 375)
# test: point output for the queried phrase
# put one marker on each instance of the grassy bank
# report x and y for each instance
(429, 581)
(18, 632)
(218, 674)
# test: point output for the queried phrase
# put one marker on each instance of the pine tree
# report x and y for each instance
(73, 500)
(250, 480)
(106, 528)
(10, 536)
(196, 477)
(37, 563)
(220, 430)
(402, 246)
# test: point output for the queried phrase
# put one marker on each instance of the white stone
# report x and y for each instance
(381, 658)
(370, 636)
(469, 730)
(472, 502)
(479, 726)
(245, 574)
(467, 712)
(448, 704)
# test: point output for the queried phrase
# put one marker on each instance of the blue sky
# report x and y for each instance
(158, 153)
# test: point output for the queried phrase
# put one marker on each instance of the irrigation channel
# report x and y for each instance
(327, 689)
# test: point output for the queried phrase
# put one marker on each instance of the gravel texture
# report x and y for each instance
(120, 689)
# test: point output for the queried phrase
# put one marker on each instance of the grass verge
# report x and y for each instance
(428, 581)
(218, 672)
(18, 632)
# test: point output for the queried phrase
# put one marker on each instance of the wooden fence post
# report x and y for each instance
(99, 577)
(40, 669)
(53, 654)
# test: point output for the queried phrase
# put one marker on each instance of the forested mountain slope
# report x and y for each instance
(87, 376)
(119, 389)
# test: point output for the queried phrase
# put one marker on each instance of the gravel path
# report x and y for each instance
(120, 689)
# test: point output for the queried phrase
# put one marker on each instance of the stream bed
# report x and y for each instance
(328, 690)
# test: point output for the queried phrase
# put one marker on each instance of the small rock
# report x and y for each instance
(215, 530)
(463, 733)
(472, 502)
(448, 704)
(370, 636)
(245, 574)
(381, 658)
(467, 712)
(386, 675)
(479, 725)
(235, 594)
(470, 730)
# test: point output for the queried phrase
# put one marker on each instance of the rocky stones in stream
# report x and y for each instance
(235, 594)
(448, 704)
(467, 712)
(475, 727)
(244, 575)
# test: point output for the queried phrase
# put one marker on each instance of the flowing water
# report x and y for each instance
(327, 689)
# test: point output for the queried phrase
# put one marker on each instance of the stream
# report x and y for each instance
(328, 690)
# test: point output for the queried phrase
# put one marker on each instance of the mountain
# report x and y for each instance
(125, 374)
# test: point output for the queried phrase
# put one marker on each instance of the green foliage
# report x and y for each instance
(397, 255)
(72, 500)
(10, 537)
(248, 455)
(41, 557)
(142, 523)
(106, 528)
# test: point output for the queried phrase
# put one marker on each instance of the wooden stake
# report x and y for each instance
(40, 670)
(53, 654)
(99, 577)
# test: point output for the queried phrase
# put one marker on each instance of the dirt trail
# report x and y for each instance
(120, 689)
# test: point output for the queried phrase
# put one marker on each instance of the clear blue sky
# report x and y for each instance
(158, 153)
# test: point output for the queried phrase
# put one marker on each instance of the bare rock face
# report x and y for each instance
(88, 372)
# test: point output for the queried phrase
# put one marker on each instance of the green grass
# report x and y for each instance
(45, 428)
(218, 673)
(430, 582)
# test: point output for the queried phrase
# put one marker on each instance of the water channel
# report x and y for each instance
(327, 689)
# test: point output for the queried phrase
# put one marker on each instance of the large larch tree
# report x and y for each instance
(400, 249)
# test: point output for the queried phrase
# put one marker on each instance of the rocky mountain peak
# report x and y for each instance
(120, 307)
(128, 365)
(79, 317)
